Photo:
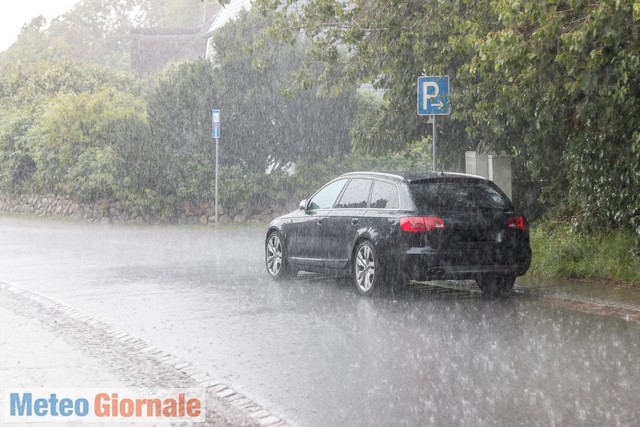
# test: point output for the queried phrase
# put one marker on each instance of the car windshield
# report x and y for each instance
(457, 195)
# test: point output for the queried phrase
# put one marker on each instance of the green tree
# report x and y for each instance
(38, 100)
(559, 83)
(554, 83)
(389, 44)
(70, 125)
(32, 83)
(179, 110)
(370, 133)
(16, 164)
(267, 120)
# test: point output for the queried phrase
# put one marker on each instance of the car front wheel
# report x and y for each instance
(366, 269)
(276, 261)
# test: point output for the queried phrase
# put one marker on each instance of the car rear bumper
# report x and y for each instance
(426, 264)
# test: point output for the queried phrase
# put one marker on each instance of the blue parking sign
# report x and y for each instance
(433, 96)
(215, 123)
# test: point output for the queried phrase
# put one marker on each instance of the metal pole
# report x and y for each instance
(216, 208)
(433, 140)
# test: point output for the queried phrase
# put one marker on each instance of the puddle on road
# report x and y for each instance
(591, 297)
(626, 294)
(595, 298)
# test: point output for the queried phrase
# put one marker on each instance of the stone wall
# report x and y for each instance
(104, 211)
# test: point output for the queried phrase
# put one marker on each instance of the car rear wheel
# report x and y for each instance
(496, 285)
(275, 257)
(366, 269)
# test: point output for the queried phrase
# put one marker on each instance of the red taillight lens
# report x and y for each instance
(518, 222)
(420, 224)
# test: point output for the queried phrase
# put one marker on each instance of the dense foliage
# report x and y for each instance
(53, 116)
(267, 120)
(93, 133)
(555, 83)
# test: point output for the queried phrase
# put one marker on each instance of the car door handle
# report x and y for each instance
(354, 221)
(319, 221)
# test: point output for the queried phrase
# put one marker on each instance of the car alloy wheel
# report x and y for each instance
(274, 256)
(365, 268)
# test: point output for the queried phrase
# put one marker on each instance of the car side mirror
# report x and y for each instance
(303, 205)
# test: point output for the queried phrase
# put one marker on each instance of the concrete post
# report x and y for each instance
(496, 167)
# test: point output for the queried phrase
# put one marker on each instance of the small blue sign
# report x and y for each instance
(215, 123)
(433, 96)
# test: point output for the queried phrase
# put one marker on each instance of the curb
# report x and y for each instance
(628, 312)
(214, 388)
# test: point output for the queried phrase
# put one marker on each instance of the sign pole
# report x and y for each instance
(433, 141)
(215, 133)
(216, 205)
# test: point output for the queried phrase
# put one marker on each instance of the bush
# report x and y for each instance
(560, 252)
(93, 175)
(251, 192)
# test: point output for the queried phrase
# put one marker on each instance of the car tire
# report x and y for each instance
(495, 285)
(275, 257)
(367, 274)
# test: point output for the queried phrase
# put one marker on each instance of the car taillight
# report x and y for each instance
(420, 224)
(518, 222)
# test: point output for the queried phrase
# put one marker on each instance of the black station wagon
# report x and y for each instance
(382, 230)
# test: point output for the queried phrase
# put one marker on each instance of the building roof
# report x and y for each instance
(226, 14)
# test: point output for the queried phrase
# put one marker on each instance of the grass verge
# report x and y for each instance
(561, 253)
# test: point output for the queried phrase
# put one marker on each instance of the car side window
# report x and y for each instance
(356, 194)
(326, 197)
(384, 196)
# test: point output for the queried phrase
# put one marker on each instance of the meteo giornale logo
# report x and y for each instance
(104, 405)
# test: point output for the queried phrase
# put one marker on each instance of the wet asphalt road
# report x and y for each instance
(314, 352)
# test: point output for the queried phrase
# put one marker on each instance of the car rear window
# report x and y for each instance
(356, 194)
(457, 195)
(384, 196)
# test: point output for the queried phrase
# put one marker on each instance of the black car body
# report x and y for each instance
(385, 229)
